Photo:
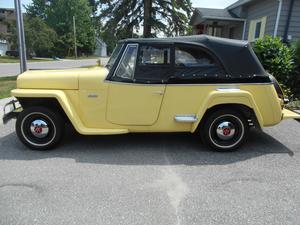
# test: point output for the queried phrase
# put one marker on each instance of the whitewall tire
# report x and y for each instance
(39, 128)
(224, 130)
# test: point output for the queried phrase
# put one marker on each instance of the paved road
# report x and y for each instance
(12, 69)
(169, 179)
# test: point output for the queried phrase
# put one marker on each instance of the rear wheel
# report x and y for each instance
(39, 128)
(224, 130)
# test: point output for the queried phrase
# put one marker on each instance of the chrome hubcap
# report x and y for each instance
(39, 128)
(225, 130)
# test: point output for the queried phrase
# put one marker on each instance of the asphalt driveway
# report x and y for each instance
(151, 179)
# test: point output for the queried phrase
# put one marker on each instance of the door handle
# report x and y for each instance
(158, 92)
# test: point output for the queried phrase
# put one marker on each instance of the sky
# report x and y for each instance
(195, 3)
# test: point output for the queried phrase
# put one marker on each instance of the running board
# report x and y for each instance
(186, 118)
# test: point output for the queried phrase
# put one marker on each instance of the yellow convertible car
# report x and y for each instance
(213, 86)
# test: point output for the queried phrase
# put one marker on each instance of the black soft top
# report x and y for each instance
(237, 56)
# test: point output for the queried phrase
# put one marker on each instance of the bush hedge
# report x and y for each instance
(280, 60)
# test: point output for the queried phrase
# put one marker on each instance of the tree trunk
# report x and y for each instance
(147, 18)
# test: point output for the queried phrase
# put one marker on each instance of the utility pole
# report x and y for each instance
(75, 44)
(21, 36)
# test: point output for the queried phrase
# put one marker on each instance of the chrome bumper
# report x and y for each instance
(11, 110)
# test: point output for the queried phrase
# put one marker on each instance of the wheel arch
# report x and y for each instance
(239, 100)
(48, 102)
(50, 98)
(245, 110)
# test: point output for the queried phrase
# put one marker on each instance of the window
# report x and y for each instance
(150, 55)
(192, 57)
(231, 33)
(193, 62)
(114, 56)
(257, 28)
(215, 31)
(126, 66)
(154, 64)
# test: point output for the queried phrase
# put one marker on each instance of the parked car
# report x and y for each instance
(213, 86)
(13, 53)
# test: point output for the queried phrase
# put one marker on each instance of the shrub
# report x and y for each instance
(297, 52)
(296, 47)
(279, 60)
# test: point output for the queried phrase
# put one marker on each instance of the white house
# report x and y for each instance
(3, 47)
(101, 48)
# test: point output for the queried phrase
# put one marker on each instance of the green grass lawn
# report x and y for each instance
(10, 59)
(6, 85)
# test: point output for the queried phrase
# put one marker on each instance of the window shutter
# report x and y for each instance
(263, 27)
(251, 30)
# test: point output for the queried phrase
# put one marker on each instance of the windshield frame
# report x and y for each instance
(114, 56)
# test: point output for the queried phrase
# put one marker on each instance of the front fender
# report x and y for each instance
(228, 96)
(67, 107)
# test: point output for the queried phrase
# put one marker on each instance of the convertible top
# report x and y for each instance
(237, 56)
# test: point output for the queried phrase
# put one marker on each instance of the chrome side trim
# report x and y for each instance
(228, 89)
(190, 118)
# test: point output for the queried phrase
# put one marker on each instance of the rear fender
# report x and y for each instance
(228, 96)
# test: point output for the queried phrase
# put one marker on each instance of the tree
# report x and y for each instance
(38, 8)
(39, 37)
(60, 18)
(58, 14)
(167, 16)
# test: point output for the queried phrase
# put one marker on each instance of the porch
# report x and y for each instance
(219, 23)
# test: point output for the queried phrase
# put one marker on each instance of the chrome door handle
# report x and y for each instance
(158, 92)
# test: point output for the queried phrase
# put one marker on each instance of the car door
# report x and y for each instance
(187, 90)
(136, 89)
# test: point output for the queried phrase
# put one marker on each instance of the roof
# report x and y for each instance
(238, 3)
(7, 9)
(237, 56)
(210, 12)
(100, 41)
(202, 14)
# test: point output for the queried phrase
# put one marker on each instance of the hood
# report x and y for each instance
(55, 79)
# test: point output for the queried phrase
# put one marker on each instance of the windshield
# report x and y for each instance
(114, 56)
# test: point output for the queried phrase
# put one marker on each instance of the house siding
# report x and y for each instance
(260, 9)
(294, 27)
(7, 16)
(269, 8)
(266, 11)
(283, 17)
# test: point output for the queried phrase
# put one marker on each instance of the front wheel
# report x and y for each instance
(39, 128)
(224, 130)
